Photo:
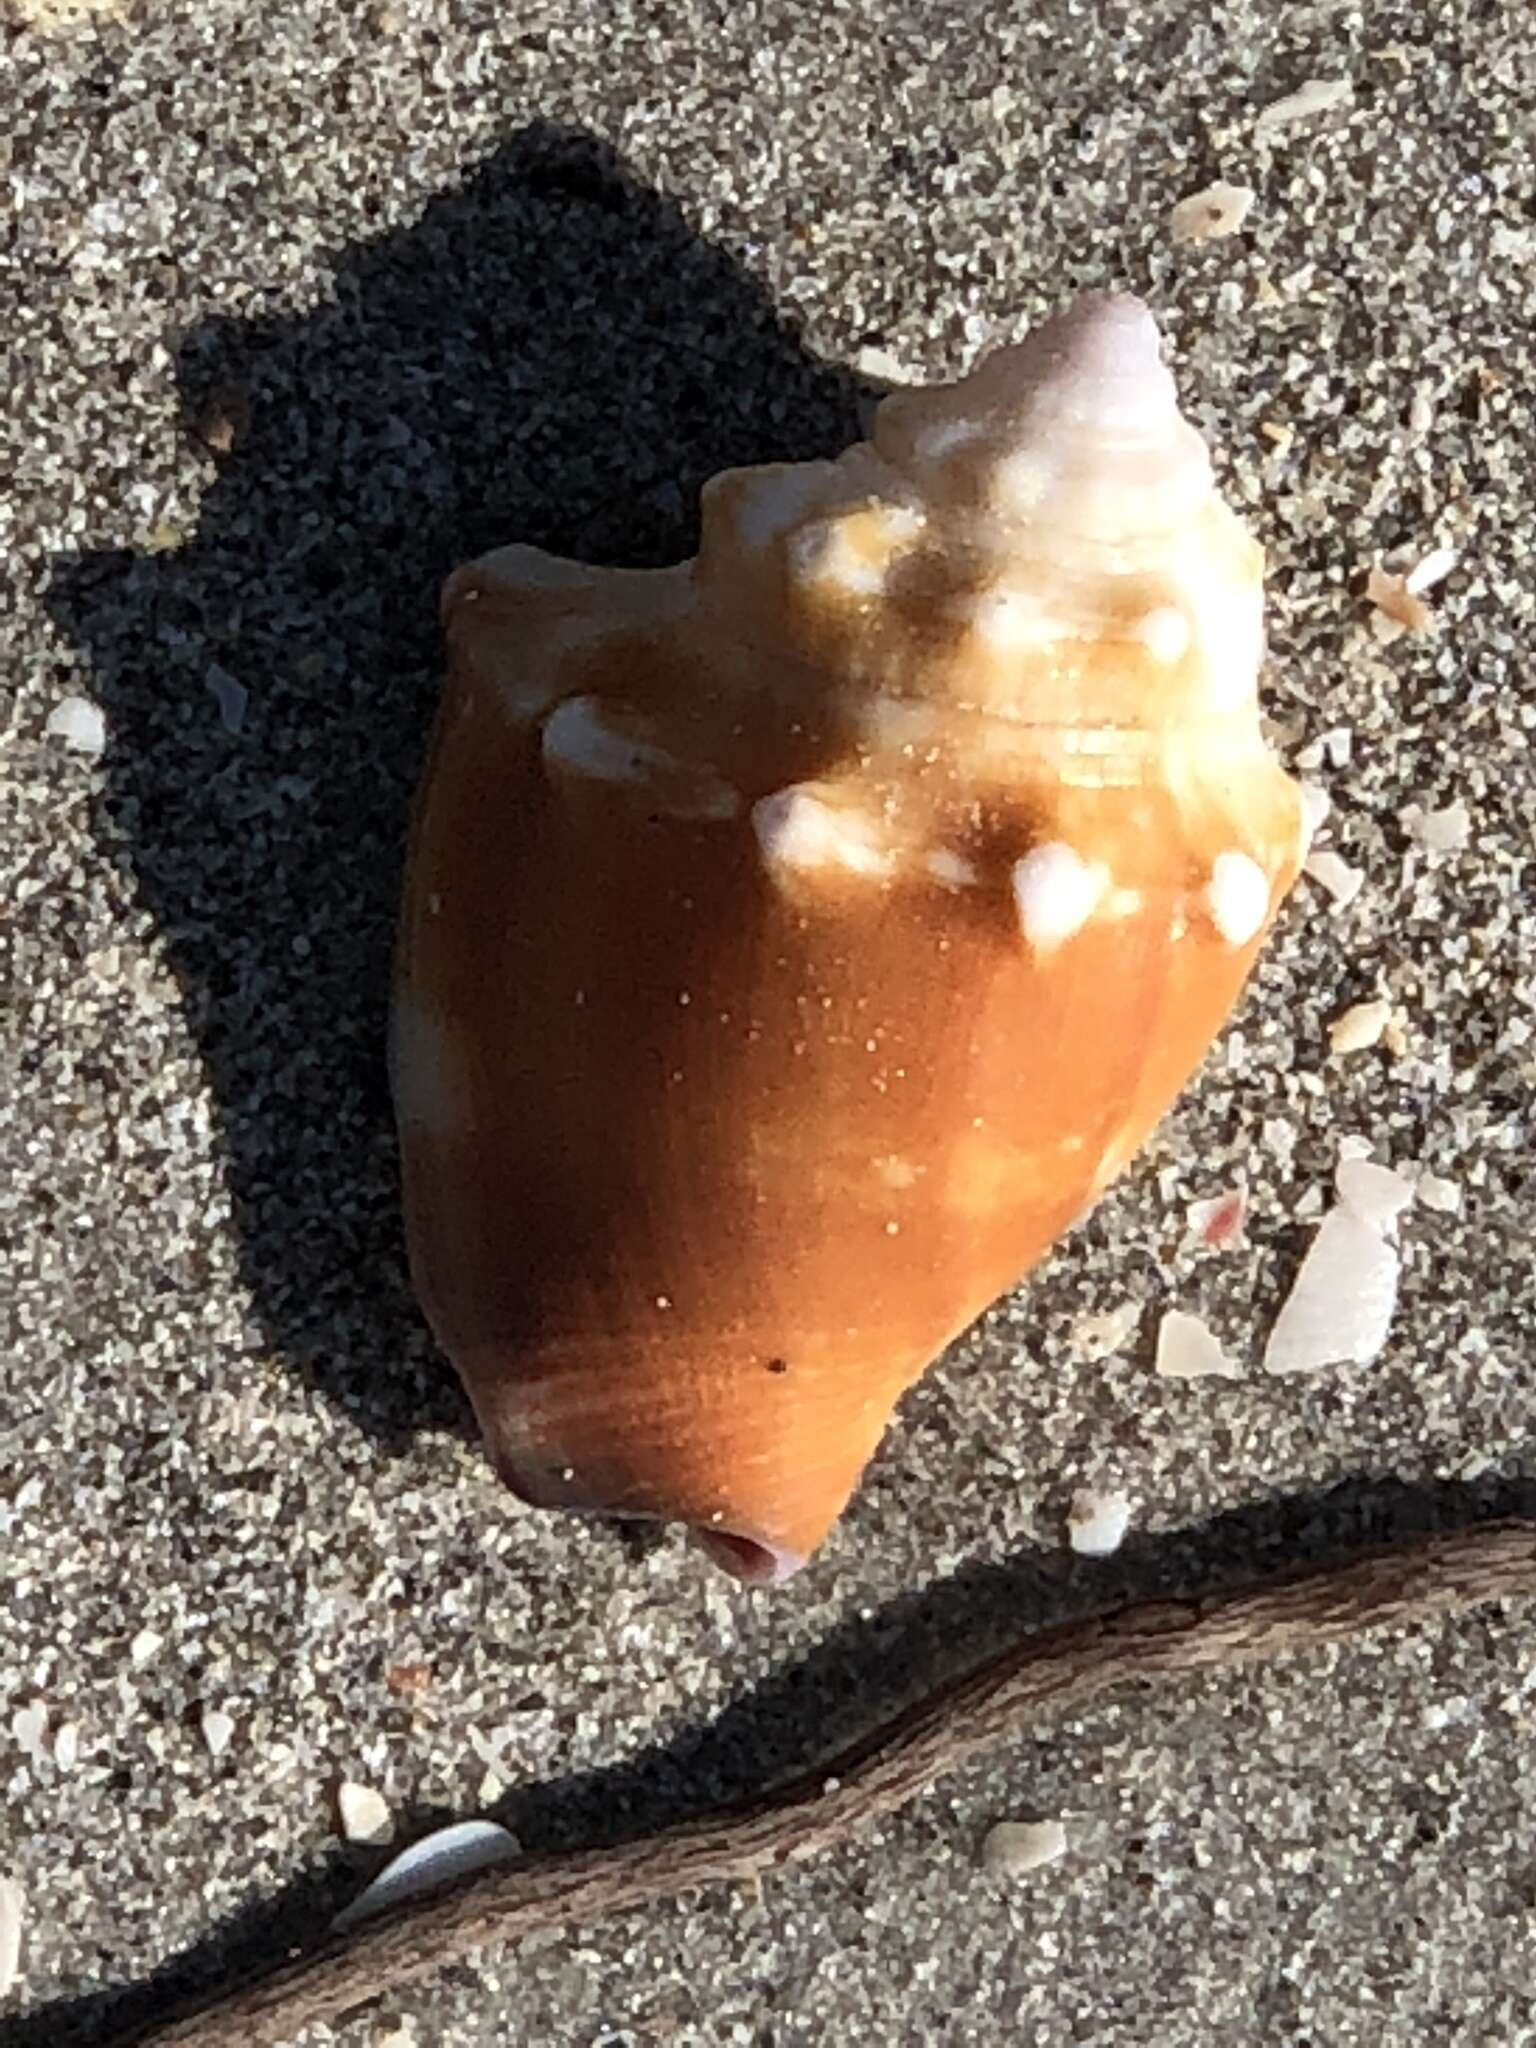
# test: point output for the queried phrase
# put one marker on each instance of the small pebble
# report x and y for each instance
(365, 1817)
(1097, 1522)
(79, 724)
(1360, 1027)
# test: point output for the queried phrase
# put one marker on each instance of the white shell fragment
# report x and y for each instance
(1187, 1350)
(437, 1859)
(1335, 875)
(1014, 1847)
(1360, 1027)
(29, 1729)
(1209, 215)
(1444, 831)
(218, 1730)
(1340, 1308)
(364, 1814)
(12, 1905)
(1430, 569)
(145, 1648)
(1316, 96)
(1376, 1194)
(1104, 1333)
(1436, 1192)
(1097, 1522)
(1055, 890)
(79, 724)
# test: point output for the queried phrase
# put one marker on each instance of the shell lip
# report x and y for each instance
(748, 1558)
(746, 1555)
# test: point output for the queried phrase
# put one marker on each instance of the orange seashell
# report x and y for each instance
(797, 940)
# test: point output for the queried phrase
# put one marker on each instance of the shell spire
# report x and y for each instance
(796, 941)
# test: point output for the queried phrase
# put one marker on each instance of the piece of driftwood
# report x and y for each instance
(1432, 1575)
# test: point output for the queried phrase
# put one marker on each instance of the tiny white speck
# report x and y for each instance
(1013, 622)
(952, 869)
(893, 1230)
(1238, 897)
(1164, 633)
(1056, 892)
(796, 829)
(568, 1473)
(823, 554)
(940, 441)
(663, 1301)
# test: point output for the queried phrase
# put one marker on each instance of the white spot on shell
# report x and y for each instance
(1013, 622)
(824, 554)
(602, 743)
(952, 869)
(776, 498)
(797, 829)
(1056, 892)
(1021, 483)
(1237, 896)
(421, 1068)
(895, 1172)
(937, 442)
(1164, 633)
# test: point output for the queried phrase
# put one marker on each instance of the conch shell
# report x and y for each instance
(797, 940)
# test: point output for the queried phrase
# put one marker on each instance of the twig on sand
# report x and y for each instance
(1432, 1575)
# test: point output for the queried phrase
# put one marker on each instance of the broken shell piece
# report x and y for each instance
(1334, 874)
(1376, 1194)
(1340, 1307)
(924, 817)
(1444, 831)
(1316, 96)
(1436, 1192)
(364, 1814)
(1429, 570)
(1100, 1336)
(1359, 1027)
(1395, 603)
(1097, 1522)
(12, 1908)
(437, 1859)
(1219, 1221)
(79, 724)
(1187, 1350)
(218, 1729)
(1209, 215)
(1014, 1847)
